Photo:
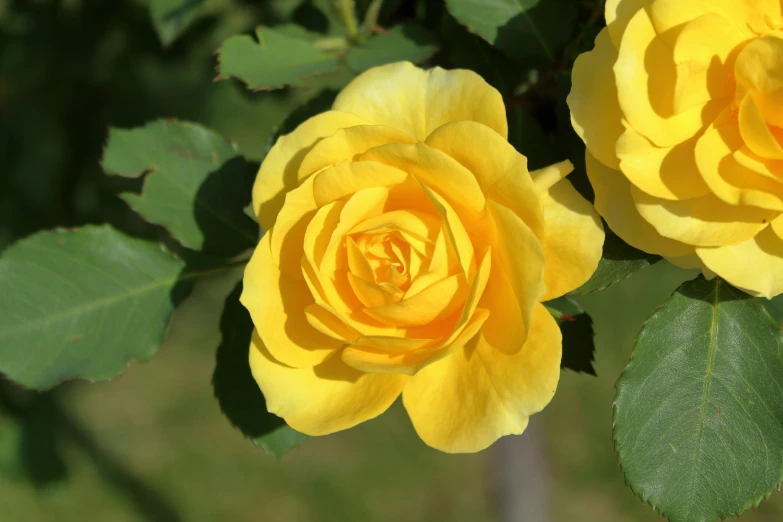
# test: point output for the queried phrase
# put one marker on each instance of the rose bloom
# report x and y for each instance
(407, 251)
(680, 105)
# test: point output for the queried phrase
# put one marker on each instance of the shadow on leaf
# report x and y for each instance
(576, 327)
(536, 37)
(237, 393)
(219, 209)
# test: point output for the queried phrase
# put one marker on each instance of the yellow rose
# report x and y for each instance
(407, 251)
(680, 105)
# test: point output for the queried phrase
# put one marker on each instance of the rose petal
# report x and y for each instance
(645, 75)
(346, 144)
(346, 179)
(384, 361)
(432, 304)
(733, 173)
(755, 265)
(500, 170)
(745, 15)
(373, 294)
(546, 178)
(663, 172)
(614, 202)
(573, 243)
(289, 231)
(438, 171)
(759, 69)
(704, 221)
(437, 269)
(595, 109)
(329, 324)
(324, 399)
(777, 226)
(416, 101)
(279, 172)
(457, 239)
(704, 72)
(519, 255)
(618, 14)
(276, 303)
(467, 400)
(756, 132)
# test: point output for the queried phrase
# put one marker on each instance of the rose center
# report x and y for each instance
(403, 269)
(389, 257)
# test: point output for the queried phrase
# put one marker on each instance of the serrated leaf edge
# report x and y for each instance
(300, 84)
(630, 486)
(131, 360)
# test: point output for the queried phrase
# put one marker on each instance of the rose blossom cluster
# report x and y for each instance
(408, 248)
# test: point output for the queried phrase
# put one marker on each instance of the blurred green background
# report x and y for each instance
(152, 445)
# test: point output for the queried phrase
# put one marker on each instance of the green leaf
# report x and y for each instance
(405, 42)
(578, 336)
(296, 31)
(775, 307)
(163, 145)
(83, 303)
(280, 440)
(619, 261)
(197, 186)
(532, 32)
(172, 17)
(698, 413)
(278, 59)
(567, 140)
(237, 393)
(283, 9)
(468, 51)
(527, 136)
